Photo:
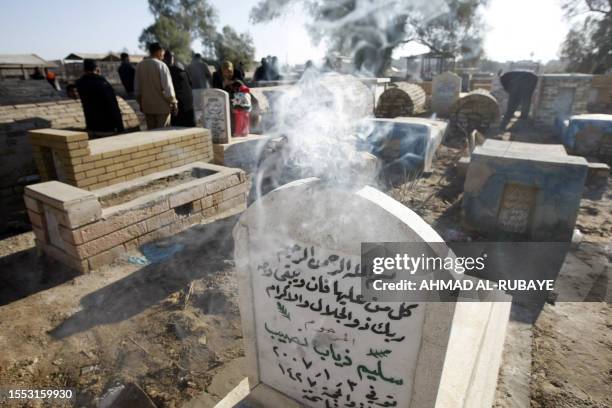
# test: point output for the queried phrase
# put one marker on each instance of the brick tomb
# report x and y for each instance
(121, 192)
(90, 164)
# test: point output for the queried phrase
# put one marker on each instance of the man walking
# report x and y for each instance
(153, 89)
(100, 107)
(199, 73)
(520, 86)
(127, 73)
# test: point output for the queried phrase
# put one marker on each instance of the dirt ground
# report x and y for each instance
(173, 327)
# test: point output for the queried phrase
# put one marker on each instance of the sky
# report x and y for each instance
(517, 29)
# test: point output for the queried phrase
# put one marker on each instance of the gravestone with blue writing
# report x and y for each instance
(310, 338)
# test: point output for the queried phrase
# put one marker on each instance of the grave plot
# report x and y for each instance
(213, 112)
(589, 135)
(406, 146)
(559, 96)
(401, 99)
(476, 110)
(317, 344)
(117, 193)
(87, 229)
(523, 190)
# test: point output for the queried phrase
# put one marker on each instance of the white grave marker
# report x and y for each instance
(311, 340)
(215, 116)
(445, 92)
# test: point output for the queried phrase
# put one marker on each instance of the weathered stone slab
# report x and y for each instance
(525, 189)
(589, 135)
(409, 144)
(445, 92)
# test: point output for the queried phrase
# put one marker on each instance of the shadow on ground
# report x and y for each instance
(206, 250)
(25, 273)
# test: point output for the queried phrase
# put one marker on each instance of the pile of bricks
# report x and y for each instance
(91, 164)
(401, 99)
(74, 226)
(476, 110)
(17, 167)
(559, 96)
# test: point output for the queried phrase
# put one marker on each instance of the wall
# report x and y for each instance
(600, 96)
(559, 96)
(19, 91)
(91, 164)
(17, 167)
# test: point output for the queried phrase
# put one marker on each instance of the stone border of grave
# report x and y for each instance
(75, 226)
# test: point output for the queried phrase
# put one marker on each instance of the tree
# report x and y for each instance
(170, 35)
(588, 45)
(234, 47)
(178, 23)
(369, 30)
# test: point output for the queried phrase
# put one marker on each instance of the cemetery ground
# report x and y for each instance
(173, 327)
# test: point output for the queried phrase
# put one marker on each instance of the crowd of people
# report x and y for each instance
(161, 85)
(269, 70)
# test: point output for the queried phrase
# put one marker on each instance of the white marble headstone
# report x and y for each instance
(307, 335)
(214, 105)
(446, 88)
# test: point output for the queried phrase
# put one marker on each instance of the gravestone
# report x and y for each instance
(310, 341)
(445, 92)
(589, 135)
(527, 189)
(407, 144)
(215, 114)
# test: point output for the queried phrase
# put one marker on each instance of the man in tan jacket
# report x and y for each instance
(153, 89)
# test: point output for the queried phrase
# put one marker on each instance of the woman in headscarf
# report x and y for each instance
(182, 87)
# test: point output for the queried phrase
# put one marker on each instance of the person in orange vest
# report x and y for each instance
(51, 78)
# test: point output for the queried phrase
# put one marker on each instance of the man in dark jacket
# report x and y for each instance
(127, 73)
(262, 73)
(100, 107)
(520, 86)
(183, 90)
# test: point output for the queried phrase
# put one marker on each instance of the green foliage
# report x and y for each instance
(282, 309)
(588, 45)
(166, 32)
(370, 30)
(234, 47)
(178, 23)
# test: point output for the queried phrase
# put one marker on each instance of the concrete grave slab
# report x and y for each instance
(442, 355)
(411, 142)
(589, 135)
(523, 189)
